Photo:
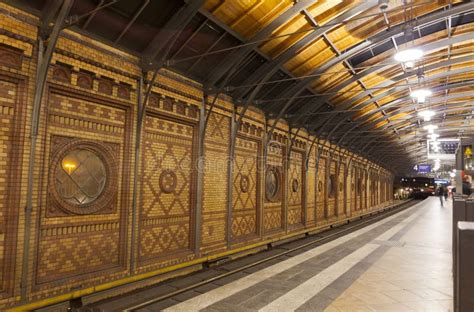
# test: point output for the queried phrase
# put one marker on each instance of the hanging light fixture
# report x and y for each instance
(426, 114)
(421, 94)
(409, 56)
(408, 53)
(430, 128)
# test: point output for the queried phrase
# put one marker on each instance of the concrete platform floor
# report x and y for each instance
(401, 263)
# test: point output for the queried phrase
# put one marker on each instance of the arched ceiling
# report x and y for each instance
(326, 66)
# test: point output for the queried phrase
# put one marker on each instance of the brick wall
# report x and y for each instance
(125, 225)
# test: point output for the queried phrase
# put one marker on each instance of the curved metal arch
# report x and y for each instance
(266, 71)
(397, 101)
(451, 109)
(263, 33)
(451, 96)
(405, 135)
(366, 117)
(377, 67)
(428, 47)
(303, 84)
(412, 80)
(158, 43)
(412, 75)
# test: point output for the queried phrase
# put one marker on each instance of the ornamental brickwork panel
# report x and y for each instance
(214, 211)
(311, 190)
(332, 190)
(365, 188)
(321, 190)
(10, 166)
(295, 189)
(166, 209)
(353, 189)
(80, 231)
(84, 204)
(341, 187)
(359, 188)
(273, 212)
(245, 200)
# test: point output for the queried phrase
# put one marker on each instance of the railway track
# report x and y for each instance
(302, 243)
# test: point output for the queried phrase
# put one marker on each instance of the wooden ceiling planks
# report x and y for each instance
(247, 17)
(309, 58)
(340, 38)
(330, 78)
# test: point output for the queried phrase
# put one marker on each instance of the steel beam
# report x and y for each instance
(394, 123)
(367, 116)
(348, 104)
(164, 36)
(428, 47)
(89, 19)
(44, 60)
(266, 71)
(239, 54)
(132, 20)
(370, 42)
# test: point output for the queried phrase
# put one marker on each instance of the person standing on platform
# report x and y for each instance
(466, 186)
(440, 194)
(446, 191)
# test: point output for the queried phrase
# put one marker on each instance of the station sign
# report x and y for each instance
(441, 181)
(422, 168)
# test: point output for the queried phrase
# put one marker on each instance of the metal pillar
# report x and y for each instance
(230, 178)
(44, 59)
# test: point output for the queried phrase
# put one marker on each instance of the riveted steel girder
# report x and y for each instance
(293, 92)
(266, 71)
(428, 47)
(161, 40)
(239, 54)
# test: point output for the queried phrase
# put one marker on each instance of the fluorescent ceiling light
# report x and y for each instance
(408, 55)
(421, 94)
(430, 128)
(426, 114)
(433, 136)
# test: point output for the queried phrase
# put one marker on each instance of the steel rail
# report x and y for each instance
(379, 214)
(259, 41)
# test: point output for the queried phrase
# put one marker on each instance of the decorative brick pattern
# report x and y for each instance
(167, 202)
(214, 213)
(341, 195)
(321, 191)
(91, 96)
(72, 250)
(311, 189)
(245, 206)
(295, 189)
(10, 154)
(273, 212)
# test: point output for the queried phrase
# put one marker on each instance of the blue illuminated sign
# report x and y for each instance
(425, 168)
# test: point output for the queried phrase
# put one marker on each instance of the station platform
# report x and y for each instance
(399, 263)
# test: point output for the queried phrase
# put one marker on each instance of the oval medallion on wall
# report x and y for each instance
(272, 184)
(244, 183)
(295, 185)
(168, 181)
(332, 186)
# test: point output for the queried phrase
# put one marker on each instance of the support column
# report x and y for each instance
(200, 174)
(43, 62)
(230, 164)
(463, 298)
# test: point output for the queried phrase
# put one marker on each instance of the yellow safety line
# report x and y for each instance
(135, 278)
